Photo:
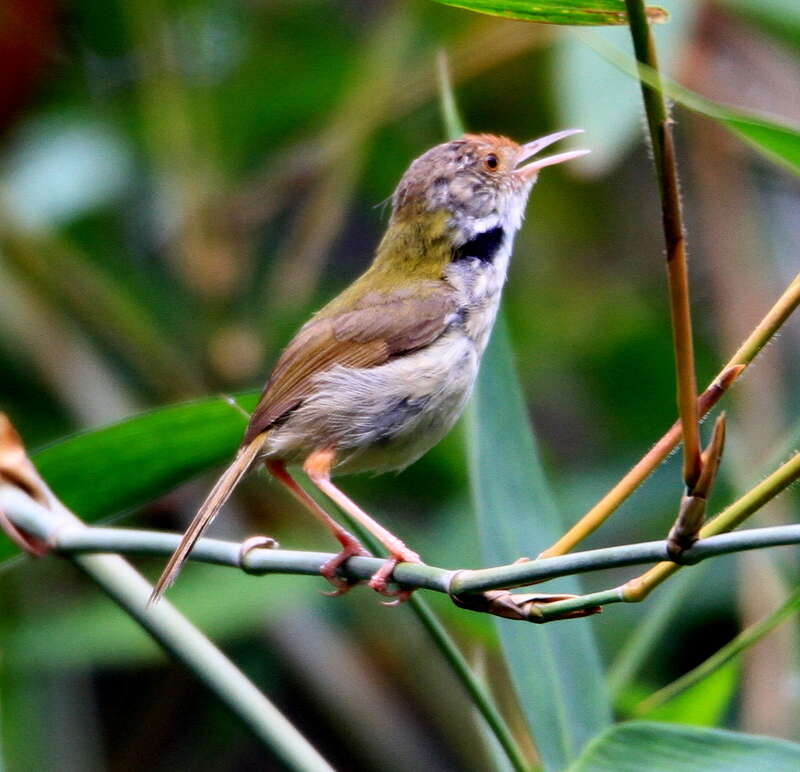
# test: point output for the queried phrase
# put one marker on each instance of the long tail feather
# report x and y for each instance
(215, 500)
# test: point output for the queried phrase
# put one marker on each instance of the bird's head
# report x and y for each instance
(481, 181)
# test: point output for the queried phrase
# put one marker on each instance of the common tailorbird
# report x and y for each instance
(380, 374)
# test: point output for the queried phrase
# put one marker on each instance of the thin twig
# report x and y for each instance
(745, 354)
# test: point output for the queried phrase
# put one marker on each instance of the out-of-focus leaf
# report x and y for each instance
(775, 138)
(112, 469)
(780, 18)
(705, 703)
(61, 166)
(639, 645)
(644, 745)
(601, 100)
(223, 603)
(583, 12)
(721, 659)
(556, 667)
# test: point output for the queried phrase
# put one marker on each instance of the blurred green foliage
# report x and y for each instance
(182, 183)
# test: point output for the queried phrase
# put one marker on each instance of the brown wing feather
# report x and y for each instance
(381, 326)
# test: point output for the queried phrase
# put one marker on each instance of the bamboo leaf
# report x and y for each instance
(101, 472)
(591, 13)
(775, 138)
(555, 668)
(704, 703)
(638, 745)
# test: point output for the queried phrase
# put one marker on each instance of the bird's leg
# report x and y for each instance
(318, 468)
(350, 545)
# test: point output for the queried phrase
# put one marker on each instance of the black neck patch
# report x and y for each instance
(483, 247)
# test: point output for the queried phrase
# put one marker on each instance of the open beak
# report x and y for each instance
(532, 148)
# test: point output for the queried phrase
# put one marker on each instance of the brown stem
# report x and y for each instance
(659, 125)
(678, 276)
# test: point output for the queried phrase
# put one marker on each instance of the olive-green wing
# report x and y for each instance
(380, 326)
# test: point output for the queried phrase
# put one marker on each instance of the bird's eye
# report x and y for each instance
(491, 162)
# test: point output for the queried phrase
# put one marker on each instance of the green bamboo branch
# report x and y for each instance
(744, 640)
(439, 579)
(660, 129)
(72, 539)
(475, 687)
(130, 590)
(649, 630)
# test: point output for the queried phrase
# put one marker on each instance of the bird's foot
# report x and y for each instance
(350, 546)
(380, 579)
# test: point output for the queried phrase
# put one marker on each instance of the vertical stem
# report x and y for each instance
(470, 681)
(660, 127)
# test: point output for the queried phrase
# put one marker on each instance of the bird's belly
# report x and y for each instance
(384, 417)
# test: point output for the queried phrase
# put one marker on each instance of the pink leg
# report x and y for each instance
(350, 545)
(317, 467)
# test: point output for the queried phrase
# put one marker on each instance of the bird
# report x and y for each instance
(381, 373)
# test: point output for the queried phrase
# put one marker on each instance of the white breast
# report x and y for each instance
(479, 285)
(386, 417)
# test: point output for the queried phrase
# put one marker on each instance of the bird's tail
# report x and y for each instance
(215, 500)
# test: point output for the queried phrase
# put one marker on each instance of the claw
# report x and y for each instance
(350, 546)
(341, 587)
(401, 596)
(380, 579)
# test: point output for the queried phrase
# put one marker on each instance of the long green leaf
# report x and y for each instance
(591, 13)
(775, 138)
(642, 745)
(555, 668)
(704, 703)
(101, 472)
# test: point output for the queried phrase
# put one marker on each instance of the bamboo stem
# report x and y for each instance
(27, 504)
(660, 128)
(744, 640)
(36, 520)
